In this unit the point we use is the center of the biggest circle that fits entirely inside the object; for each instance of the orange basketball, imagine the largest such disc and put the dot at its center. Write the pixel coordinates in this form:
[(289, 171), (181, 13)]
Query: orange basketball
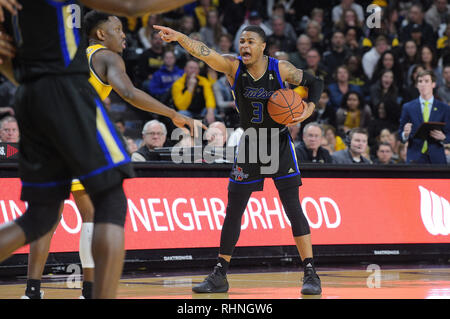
[(284, 105)]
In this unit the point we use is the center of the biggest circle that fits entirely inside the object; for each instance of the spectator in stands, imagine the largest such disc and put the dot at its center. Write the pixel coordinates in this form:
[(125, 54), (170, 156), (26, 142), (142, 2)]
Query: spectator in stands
[(314, 66), (390, 23), (213, 30), (131, 145), (385, 90), (232, 15), (356, 73), (341, 86), (384, 154), (333, 142), (225, 102), (314, 32), (388, 61), (254, 18), (303, 45), (311, 150), (353, 40), (150, 60), (120, 125), (409, 56), (201, 12), (410, 92), (145, 33), (379, 122), (371, 57), (336, 55), (280, 11), (338, 10), (353, 113), (357, 148), (349, 18), (163, 79), (154, 135), (429, 60), (324, 112), (437, 14), (187, 24), (286, 42), (216, 134), (444, 90), (193, 94), (9, 130), (317, 15), (226, 45), (417, 22), (388, 135)]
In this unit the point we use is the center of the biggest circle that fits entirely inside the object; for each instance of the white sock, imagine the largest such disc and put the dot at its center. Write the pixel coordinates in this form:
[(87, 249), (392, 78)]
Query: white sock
[(87, 261)]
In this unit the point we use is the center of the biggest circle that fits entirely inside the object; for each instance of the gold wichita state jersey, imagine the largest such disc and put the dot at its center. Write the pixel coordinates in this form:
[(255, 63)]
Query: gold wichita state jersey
[(103, 89)]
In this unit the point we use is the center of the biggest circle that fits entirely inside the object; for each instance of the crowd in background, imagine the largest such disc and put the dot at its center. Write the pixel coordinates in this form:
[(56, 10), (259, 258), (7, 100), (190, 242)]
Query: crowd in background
[(368, 59)]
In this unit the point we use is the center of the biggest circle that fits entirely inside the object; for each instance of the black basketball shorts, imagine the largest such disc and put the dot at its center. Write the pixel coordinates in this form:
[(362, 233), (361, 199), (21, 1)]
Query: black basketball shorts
[(280, 164), (65, 133)]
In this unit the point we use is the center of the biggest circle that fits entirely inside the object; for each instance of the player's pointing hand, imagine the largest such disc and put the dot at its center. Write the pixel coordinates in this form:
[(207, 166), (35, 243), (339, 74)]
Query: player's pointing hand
[(167, 34)]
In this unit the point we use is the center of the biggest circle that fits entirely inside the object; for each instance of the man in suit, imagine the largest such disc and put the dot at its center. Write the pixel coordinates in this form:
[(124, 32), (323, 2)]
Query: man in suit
[(425, 109)]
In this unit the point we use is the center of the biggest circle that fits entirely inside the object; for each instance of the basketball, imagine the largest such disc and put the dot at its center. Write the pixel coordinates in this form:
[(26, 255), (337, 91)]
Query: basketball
[(284, 105)]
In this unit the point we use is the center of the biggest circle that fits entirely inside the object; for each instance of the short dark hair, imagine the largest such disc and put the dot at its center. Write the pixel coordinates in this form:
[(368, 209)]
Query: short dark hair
[(93, 19), (355, 130), (384, 144), (258, 30)]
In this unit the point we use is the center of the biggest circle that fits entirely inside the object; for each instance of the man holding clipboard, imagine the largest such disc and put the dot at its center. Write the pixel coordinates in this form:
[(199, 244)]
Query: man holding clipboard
[(425, 124)]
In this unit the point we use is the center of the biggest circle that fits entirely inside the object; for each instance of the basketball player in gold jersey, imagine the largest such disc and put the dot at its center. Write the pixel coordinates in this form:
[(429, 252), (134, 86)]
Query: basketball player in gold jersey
[(106, 43)]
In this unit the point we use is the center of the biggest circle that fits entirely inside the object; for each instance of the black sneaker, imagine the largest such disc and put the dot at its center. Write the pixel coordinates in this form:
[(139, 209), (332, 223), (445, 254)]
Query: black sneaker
[(215, 282), (311, 282)]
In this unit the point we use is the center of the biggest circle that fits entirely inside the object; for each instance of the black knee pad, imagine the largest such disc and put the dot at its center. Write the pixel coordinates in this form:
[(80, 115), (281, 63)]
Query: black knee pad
[(110, 206), (291, 202), (38, 220)]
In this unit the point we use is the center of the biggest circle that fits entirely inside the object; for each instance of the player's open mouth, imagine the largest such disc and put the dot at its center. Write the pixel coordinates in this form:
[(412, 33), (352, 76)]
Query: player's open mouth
[(246, 55)]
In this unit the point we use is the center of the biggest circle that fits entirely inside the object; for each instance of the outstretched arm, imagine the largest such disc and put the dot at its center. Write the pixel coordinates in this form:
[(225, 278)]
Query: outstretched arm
[(298, 77), (226, 64), (116, 76)]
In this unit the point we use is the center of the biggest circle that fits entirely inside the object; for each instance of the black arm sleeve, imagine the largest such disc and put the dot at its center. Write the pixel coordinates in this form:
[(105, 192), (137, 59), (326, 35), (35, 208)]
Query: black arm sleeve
[(314, 85)]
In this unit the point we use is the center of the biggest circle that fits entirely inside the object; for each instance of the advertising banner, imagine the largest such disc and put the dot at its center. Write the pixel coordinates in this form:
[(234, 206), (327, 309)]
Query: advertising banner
[(189, 213)]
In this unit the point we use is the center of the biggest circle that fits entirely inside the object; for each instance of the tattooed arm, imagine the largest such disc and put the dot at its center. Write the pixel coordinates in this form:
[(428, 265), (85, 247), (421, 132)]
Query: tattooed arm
[(290, 73), (226, 64), (298, 77)]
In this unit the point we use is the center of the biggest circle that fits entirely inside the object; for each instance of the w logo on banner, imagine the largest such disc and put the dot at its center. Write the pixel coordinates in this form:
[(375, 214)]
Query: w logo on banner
[(435, 212), (11, 151)]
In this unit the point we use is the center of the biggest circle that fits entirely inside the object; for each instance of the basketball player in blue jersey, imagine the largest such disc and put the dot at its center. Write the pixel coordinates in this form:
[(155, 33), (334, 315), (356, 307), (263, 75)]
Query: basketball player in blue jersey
[(65, 130), (254, 77)]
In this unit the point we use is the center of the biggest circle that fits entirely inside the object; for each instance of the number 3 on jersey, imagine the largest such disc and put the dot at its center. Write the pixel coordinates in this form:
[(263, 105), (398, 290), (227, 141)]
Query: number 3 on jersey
[(257, 112)]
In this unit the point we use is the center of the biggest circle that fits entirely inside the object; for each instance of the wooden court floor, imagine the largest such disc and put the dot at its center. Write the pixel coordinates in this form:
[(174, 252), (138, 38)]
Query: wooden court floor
[(368, 283)]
